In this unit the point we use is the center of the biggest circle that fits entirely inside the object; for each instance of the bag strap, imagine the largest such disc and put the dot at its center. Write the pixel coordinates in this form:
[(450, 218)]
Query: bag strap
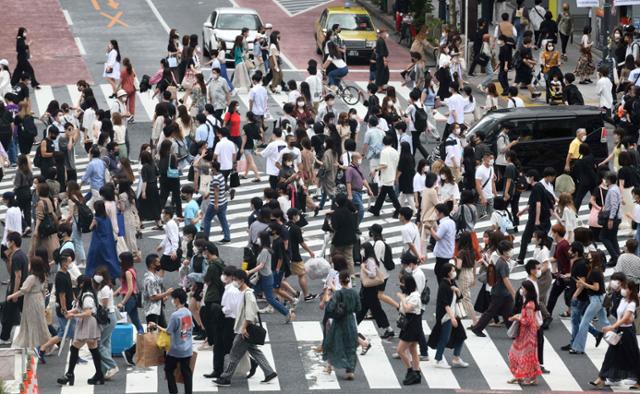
[(489, 178)]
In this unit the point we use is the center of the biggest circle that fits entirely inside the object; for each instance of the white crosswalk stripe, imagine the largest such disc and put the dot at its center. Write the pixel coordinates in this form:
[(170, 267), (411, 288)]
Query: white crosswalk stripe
[(488, 367)]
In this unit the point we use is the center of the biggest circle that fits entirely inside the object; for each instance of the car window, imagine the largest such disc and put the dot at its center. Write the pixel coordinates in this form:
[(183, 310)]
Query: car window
[(237, 22), (323, 20), (351, 21), (485, 125), (521, 129), (554, 128)]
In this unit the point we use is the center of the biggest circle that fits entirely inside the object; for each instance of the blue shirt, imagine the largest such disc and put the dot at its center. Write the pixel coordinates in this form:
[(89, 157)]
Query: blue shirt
[(180, 329), (205, 132), (94, 173), (191, 210)]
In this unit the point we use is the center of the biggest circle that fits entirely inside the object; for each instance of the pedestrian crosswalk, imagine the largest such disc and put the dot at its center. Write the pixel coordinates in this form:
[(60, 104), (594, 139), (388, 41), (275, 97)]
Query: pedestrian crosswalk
[(301, 369)]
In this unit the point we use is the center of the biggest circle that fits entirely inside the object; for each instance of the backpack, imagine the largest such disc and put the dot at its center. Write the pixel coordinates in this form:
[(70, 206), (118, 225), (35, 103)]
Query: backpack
[(420, 119), (85, 217), (29, 126), (48, 224), (387, 261), (144, 83), (101, 315), (505, 222), (516, 60)]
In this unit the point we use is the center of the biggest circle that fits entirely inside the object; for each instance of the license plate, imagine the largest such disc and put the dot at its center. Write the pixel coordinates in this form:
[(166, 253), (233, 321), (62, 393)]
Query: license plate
[(353, 53)]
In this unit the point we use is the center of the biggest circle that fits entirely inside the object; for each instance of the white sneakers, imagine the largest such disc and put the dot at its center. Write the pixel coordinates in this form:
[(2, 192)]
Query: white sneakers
[(460, 363), (442, 364), (111, 373)]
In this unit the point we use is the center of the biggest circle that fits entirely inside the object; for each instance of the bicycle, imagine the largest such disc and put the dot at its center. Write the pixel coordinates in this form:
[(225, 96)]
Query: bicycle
[(349, 94)]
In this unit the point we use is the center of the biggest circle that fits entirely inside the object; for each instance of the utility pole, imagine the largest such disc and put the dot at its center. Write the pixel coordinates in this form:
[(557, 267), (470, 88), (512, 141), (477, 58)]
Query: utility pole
[(606, 21)]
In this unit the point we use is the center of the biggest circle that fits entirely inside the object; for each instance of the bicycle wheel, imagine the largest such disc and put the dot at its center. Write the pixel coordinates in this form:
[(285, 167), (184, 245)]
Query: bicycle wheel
[(350, 95)]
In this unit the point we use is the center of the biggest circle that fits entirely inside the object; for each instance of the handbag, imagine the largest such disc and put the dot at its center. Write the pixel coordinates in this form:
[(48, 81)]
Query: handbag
[(372, 282), (612, 338), (234, 179), (257, 333), (254, 278), (173, 173), (594, 213), (514, 330)]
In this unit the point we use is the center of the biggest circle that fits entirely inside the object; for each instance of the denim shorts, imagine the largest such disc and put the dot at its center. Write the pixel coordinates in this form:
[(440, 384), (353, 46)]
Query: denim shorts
[(62, 323)]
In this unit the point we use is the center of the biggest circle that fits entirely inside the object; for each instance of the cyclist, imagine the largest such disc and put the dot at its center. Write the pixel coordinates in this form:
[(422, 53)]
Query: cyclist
[(340, 71)]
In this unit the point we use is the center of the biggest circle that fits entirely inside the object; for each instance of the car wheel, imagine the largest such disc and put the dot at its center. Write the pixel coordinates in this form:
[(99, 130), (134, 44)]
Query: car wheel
[(205, 48)]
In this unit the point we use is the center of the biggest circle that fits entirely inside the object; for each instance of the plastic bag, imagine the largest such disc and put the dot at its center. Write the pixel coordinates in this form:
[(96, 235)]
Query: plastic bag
[(163, 341), (317, 268)]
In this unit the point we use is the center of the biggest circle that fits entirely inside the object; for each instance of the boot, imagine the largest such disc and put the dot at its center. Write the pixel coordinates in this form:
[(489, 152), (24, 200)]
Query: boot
[(98, 378), (69, 377)]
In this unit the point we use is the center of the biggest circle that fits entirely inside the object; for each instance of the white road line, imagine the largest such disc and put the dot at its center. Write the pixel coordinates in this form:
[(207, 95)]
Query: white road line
[(82, 373), (437, 378), (148, 103), (204, 365), (142, 380), (81, 49), (107, 92), (74, 94), (561, 378), (376, 365), (67, 17), (490, 362), (158, 16), (44, 96), (311, 333)]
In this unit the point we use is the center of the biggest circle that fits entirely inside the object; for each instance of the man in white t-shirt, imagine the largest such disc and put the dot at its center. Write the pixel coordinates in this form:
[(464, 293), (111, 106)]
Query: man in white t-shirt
[(456, 104), (315, 84), (513, 101), (271, 153), (453, 150), (486, 182), (225, 153), (387, 167), (410, 235), (293, 150)]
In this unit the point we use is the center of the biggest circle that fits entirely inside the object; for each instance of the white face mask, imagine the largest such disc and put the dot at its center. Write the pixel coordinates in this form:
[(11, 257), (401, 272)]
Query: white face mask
[(583, 138), (443, 177), (615, 284), (624, 292), (300, 103), (456, 131), (98, 279), (223, 278), (491, 162), (357, 162), (538, 273), (453, 275), (353, 116), (215, 77), (521, 291), (289, 163), (235, 284)]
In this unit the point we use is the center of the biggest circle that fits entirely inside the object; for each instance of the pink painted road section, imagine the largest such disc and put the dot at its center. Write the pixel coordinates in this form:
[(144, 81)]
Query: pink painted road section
[(297, 34), (54, 54)]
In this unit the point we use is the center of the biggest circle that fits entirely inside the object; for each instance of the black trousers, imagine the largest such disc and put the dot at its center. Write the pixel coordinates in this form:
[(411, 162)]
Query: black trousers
[(581, 192), (210, 313), (384, 192), (25, 206), (558, 287), (23, 66), (10, 318), (222, 342), (609, 239), (440, 261), (171, 185), (503, 78), (513, 203), (564, 40), (540, 346), (529, 228), (417, 146), (498, 306), (369, 300), (273, 182), (170, 364)]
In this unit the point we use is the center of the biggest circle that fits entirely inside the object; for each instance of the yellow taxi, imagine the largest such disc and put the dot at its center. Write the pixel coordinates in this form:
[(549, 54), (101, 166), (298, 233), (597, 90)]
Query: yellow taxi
[(357, 31)]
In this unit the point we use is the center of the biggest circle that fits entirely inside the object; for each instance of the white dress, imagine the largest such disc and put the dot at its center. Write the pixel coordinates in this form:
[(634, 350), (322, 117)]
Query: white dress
[(112, 63)]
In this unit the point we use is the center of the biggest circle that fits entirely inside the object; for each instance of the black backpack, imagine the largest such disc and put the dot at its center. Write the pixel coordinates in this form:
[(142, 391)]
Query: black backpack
[(442, 148), (48, 224), (425, 296), (85, 217), (420, 119), (388, 262)]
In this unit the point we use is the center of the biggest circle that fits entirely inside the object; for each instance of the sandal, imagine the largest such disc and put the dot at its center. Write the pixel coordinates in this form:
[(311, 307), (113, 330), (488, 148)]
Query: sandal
[(365, 349), (529, 383), (565, 314), (257, 180), (513, 381), (597, 385)]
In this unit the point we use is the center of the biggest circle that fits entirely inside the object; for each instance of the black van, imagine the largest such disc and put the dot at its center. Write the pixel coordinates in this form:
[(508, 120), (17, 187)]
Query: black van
[(545, 132)]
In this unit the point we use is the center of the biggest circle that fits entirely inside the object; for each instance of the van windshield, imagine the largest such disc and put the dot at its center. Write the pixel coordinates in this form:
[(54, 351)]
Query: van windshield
[(486, 124)]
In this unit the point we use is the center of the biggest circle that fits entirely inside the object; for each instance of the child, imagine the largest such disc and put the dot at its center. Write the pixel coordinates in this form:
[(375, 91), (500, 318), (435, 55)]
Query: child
[(501, 219), (119, 132), (567, 214), (555, 91)]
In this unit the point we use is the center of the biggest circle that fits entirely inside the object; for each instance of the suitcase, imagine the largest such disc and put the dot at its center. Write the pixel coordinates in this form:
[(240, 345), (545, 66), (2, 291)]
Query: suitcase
[(122, 338)]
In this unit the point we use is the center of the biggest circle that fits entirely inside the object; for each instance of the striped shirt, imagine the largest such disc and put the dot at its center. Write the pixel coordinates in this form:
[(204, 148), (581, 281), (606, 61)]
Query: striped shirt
[(218, 183)]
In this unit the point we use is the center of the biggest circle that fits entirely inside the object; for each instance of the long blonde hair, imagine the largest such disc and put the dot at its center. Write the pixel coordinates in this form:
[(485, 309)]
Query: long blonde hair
[(565, 201)]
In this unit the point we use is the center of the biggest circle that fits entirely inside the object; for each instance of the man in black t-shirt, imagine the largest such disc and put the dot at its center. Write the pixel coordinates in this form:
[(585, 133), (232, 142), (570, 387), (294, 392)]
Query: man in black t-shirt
[(18, 271), (296, 240), (538, 208), (64, 300)]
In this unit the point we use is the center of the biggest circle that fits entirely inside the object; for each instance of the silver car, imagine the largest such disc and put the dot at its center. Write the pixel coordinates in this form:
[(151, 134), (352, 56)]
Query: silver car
[(225, 24)]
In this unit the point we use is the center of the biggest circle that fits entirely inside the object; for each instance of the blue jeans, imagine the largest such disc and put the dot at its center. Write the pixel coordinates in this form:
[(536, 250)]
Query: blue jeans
[(131, 308), (487, 80), (265, 284), (323, 199), (221, 213), (357, 201), (577, 310), (593, 309), (12, 151), (637, 238), (78, 246), (445, 333), (334, 76), (105, 344)]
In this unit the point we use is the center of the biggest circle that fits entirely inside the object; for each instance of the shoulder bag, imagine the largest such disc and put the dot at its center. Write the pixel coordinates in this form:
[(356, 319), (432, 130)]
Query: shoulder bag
[(372, 282), (257, 334)]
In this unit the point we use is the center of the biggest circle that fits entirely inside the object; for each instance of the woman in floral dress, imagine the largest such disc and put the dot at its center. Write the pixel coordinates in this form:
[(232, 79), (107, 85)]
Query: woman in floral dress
[(523, 355), (585, 68)]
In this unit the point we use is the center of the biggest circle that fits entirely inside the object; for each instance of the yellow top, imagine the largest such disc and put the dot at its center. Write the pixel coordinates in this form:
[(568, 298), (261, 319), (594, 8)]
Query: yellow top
[(574, 149)]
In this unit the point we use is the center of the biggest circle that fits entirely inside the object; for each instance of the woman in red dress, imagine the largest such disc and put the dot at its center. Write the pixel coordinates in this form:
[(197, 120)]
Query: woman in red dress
[(523, 355)]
